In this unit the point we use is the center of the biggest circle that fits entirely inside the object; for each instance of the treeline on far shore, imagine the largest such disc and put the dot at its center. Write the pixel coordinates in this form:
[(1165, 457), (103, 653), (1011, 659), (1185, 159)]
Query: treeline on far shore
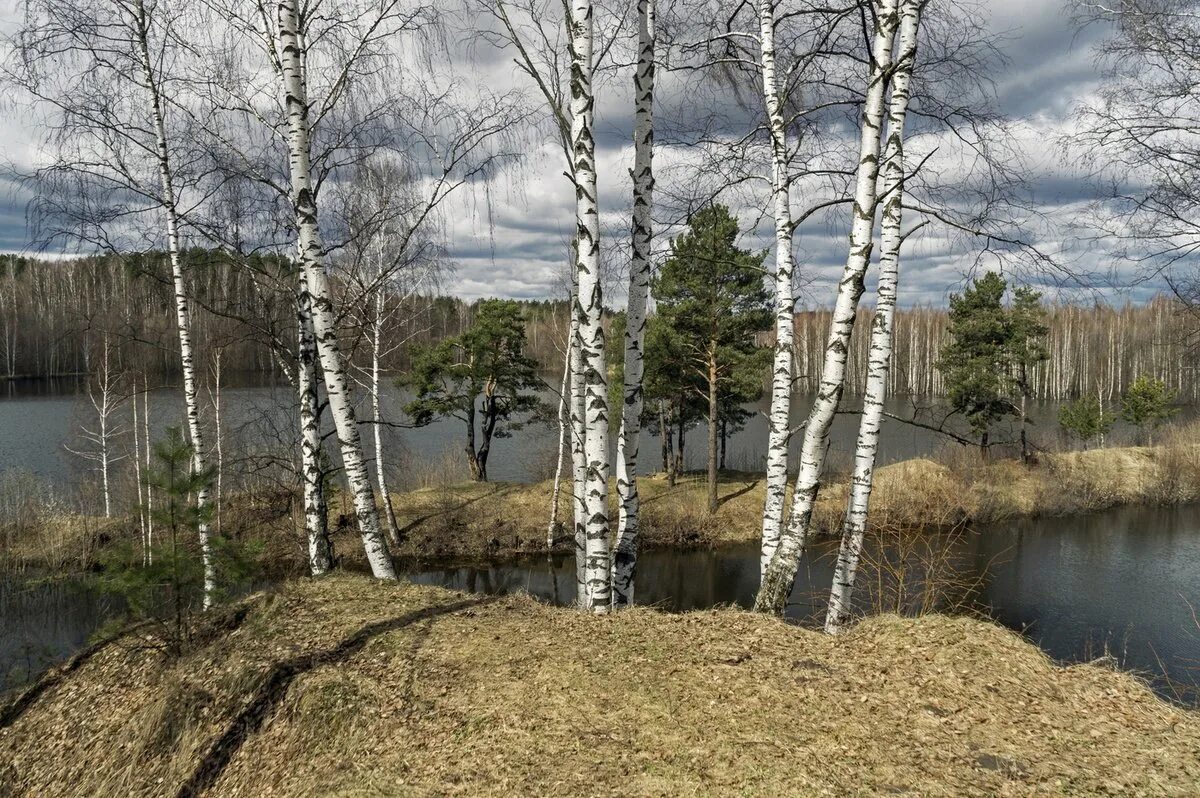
[(55, 313)]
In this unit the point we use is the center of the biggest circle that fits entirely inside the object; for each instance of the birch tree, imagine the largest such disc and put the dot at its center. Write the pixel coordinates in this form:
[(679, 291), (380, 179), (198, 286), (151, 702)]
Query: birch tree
[(625, 551), (589, 306), (781, 571), (882, 334), (333, 367), (103, 68)]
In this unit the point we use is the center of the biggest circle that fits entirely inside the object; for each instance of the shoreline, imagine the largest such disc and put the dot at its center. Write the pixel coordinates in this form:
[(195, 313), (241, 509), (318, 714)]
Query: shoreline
[(486, 522)]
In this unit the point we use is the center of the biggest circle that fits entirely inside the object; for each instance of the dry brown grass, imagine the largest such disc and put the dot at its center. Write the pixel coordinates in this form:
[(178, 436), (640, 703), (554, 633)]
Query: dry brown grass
[(348, 687), (472, 521)]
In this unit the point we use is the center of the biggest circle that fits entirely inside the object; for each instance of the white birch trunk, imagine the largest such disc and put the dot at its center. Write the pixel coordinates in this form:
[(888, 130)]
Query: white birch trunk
[(315, 520), (183, 320), (879, 360), (781, 571), (564, 431), (589, 306), (780, 417), (578, 458), (337, 387), (393, 527), (149, 489), (625, 553), (137, 475)]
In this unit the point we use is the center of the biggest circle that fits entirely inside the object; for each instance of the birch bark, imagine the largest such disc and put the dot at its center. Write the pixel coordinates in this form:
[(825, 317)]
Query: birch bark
[(625, 554), (578, 458), (183, 318), (780, 573), (315, 519), (589, 306), (779, 417), (393, 528), (882, 336), (337, 387), (564, 431)]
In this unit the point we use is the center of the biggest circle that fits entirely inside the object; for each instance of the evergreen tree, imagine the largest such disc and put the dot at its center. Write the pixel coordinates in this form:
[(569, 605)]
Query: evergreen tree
[(1027, 347), (991, 352), (486, 364), (1147, 404), (711, 294), (1085, 419)]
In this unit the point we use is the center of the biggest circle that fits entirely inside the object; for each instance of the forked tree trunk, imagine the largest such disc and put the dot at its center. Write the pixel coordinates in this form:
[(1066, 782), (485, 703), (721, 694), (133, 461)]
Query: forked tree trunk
[(316, 522), (779, 417), (337, 388), (589, 307), (625, 553), (183, 318), (781, 571), (882, 335)]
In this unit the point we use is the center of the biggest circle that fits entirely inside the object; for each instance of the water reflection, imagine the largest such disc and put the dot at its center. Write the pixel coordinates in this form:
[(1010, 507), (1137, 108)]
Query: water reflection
[(1116, 583)]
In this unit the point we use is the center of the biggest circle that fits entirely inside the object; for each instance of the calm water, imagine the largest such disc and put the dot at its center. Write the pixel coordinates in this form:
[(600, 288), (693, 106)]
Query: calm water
[(1117, 582), (40, 420)]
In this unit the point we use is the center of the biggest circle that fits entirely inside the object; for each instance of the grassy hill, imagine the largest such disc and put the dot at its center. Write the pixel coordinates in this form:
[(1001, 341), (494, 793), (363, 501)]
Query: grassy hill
[(347, 687)]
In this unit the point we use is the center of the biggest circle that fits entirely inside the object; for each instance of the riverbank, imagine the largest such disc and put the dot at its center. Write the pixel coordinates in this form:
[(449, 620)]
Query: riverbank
[(487, 521), (482, 521), (345, 686)]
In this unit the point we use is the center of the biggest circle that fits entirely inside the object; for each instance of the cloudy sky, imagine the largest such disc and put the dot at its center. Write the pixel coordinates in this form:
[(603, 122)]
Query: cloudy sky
[(511, 239)]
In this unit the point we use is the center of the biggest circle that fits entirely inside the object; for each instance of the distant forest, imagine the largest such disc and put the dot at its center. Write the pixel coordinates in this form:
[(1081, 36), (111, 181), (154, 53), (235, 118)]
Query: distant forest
[(56, 314)]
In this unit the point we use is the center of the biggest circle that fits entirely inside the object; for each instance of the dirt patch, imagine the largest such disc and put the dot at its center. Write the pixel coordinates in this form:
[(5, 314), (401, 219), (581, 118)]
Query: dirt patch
[(348, 687)]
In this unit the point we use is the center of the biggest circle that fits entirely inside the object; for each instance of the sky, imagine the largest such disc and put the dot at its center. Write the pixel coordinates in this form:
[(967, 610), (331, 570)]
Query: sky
[(509, 238)]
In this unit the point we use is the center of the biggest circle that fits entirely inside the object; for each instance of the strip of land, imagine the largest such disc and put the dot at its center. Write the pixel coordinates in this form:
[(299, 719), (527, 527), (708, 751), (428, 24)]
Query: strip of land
[(484, 521)]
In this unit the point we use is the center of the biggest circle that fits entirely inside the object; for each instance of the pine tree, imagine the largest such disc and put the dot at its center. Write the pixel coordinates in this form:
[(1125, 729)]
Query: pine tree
[(712, 295), (1147, 404)]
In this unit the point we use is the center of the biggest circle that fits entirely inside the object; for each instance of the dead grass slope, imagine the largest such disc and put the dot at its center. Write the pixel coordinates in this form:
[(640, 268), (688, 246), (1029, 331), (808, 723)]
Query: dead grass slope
[(346, 687)]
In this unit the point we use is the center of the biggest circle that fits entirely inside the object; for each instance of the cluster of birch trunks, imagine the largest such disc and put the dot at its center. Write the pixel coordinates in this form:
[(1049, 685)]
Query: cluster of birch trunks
[(606, 558)]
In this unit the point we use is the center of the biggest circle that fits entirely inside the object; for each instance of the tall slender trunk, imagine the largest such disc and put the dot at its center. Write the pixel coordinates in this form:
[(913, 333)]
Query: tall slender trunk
[(217, 439), (882, 335), (183, 318), (589, 307), (149, 489), (316, 522), (137, 475), (578, 457), (712, 428), (393, 528), (779, 416), (564, 431), (337, 387), (625, 552), (781, 571)]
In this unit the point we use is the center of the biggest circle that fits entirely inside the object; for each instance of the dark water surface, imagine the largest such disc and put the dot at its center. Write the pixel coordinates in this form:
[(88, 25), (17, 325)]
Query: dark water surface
[(1115, 583), (41, 419)]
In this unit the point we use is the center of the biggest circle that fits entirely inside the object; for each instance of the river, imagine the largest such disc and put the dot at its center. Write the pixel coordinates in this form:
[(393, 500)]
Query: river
[(1120, 583)]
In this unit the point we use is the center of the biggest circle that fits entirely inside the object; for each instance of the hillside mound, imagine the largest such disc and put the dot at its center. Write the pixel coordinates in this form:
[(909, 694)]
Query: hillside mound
[(349, 687)]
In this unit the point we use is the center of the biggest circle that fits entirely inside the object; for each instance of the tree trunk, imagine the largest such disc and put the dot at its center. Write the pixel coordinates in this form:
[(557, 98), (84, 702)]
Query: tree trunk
[(724, 439), (337, 388), (779, 417), (882, 335), (712, 428), (664, 434), (578, 456), (316, 522), (590, 306), (183, 318), (490, 417), (625, 552), (564, 426), (393, 528), (781, 572)]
